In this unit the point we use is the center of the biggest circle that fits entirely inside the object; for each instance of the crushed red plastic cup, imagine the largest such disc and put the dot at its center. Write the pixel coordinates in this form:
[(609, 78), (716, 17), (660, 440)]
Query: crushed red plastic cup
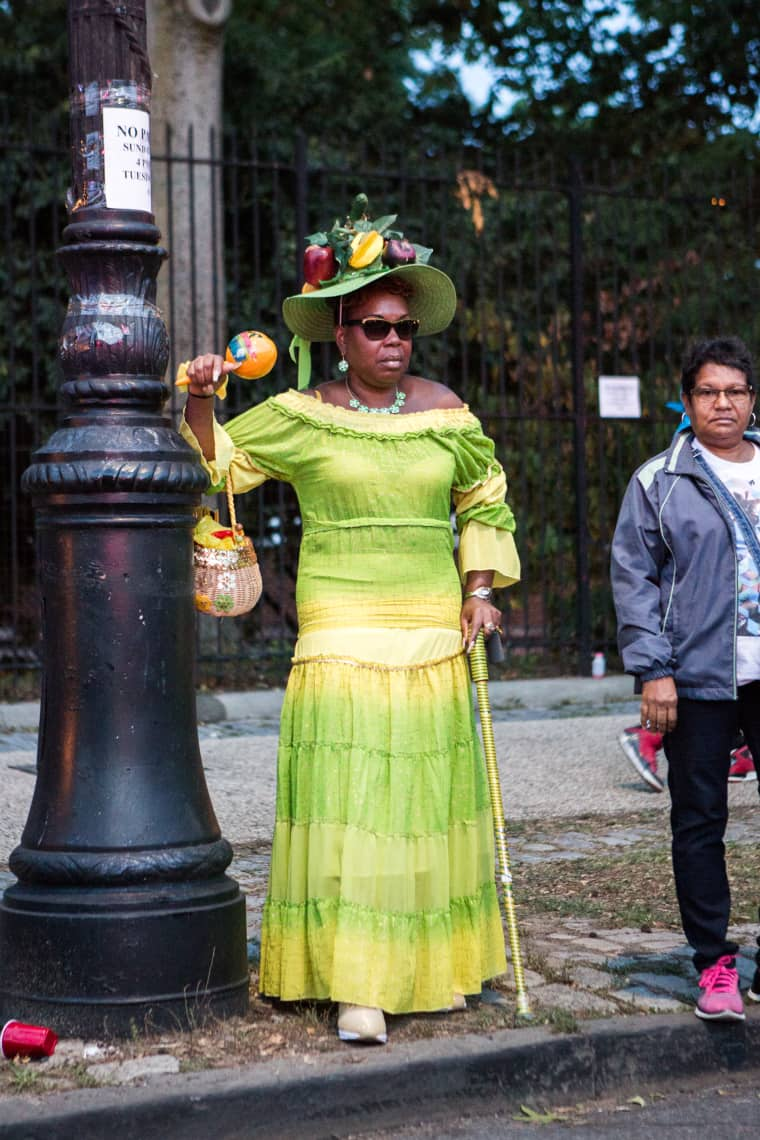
[(20, 1040)]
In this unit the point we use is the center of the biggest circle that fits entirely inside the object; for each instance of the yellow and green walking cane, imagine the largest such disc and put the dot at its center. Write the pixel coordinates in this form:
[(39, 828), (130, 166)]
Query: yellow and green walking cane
[(479, 673)]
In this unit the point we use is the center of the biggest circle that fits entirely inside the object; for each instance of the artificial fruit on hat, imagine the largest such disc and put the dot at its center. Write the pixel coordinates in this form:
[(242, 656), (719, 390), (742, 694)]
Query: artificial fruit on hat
[(359, 208), (399, 251), (358, 242), (355, 243), (319, 263), (365, 248)]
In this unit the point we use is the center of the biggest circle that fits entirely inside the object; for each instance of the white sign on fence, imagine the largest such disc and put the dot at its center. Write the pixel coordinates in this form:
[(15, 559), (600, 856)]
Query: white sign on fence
[(126, 157), (619, 397)]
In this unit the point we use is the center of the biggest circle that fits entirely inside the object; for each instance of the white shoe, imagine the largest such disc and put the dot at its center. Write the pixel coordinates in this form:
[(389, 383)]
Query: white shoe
[(458, 1003), (361, 1023)]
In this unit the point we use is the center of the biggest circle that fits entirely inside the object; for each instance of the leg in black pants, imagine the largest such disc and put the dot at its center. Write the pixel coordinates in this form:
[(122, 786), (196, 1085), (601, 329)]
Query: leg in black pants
[(749, 720), (698, 762)]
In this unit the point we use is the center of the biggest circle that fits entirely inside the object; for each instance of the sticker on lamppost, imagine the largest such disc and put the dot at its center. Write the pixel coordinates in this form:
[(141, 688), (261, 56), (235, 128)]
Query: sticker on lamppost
[(619, 397), (126, 152)]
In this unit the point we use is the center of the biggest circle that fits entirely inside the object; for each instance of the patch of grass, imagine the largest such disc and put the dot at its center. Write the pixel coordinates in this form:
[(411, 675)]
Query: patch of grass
[(24, 1077), (536, 961), (608, 889), (80, 1076), (549, 903), (559, 1020), (316, 1015), (629, 886)]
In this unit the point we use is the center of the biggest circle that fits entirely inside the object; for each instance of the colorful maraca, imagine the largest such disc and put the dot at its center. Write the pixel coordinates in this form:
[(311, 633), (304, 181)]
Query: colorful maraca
[(253, 353)]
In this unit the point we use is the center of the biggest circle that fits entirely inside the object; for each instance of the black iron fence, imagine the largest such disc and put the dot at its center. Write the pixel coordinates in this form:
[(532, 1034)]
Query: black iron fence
[(562, 276)]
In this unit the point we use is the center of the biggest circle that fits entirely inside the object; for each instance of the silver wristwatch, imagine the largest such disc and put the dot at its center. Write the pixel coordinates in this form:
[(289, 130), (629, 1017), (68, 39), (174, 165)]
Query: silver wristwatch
[(485, 593)]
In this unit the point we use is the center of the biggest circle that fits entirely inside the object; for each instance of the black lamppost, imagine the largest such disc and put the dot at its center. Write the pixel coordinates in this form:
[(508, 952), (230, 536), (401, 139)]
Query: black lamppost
[(122, 911)]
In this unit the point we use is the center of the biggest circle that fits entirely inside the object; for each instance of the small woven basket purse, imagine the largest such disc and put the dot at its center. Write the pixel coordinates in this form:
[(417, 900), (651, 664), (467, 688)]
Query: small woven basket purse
[(227, 574)]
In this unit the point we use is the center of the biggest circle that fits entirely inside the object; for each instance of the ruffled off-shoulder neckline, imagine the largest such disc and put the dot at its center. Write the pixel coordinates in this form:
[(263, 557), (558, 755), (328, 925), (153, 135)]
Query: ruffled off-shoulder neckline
[(300, 406)]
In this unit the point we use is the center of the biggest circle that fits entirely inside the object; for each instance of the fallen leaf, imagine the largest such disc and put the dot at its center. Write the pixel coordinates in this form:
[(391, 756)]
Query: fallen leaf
[(533, 1117)]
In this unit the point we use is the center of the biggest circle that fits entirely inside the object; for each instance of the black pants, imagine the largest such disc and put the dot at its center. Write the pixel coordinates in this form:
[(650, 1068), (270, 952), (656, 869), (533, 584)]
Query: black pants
[(698, 762)]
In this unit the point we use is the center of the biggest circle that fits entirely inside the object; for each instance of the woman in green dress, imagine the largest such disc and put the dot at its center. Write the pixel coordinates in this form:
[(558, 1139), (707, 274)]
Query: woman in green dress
[(381, 893)]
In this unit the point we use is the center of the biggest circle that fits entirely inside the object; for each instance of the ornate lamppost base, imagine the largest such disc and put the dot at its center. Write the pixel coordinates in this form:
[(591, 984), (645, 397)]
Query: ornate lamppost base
[(123, 917), (119, 960)]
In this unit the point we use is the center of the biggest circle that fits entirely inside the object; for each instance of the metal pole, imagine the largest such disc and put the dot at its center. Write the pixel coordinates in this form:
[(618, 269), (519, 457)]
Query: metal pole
[(479, 672), (575, 196), (122, 913)]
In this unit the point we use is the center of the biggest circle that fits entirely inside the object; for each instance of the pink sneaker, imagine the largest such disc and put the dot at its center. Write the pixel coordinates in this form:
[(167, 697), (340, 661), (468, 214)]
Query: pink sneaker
[(721, 1000), (641, 748), (742, 768)]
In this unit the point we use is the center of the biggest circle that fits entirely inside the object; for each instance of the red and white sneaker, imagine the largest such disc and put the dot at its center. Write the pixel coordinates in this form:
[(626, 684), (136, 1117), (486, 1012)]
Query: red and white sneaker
[(641, 748), (721, 1000), (742, 769)]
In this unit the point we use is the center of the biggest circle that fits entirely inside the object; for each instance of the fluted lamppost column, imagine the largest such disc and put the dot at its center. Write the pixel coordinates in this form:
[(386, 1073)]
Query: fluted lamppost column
[(122, 912)]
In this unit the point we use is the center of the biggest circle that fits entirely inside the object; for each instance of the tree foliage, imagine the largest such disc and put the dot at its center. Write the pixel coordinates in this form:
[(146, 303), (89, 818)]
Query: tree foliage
[(643, 78), (646, 77), (33, 65), (337, 70)]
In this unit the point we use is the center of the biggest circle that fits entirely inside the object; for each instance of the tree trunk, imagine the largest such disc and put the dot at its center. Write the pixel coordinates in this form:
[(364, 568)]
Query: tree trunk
[(185, 48)]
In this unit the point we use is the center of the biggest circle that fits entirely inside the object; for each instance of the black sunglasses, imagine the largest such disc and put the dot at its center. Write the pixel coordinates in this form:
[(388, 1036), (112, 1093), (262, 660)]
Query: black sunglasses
[(376, 328)]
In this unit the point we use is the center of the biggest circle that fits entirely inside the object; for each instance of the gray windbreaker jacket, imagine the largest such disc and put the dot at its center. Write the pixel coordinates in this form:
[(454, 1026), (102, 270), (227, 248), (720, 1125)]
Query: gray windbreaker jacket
[(674, 573)]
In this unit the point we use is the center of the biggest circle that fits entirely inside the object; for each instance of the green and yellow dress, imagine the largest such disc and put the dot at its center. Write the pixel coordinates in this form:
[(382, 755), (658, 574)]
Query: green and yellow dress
[(382, 887)]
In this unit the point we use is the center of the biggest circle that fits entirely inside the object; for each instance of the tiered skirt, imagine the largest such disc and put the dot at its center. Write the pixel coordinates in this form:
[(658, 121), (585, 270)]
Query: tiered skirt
[(382, 885)]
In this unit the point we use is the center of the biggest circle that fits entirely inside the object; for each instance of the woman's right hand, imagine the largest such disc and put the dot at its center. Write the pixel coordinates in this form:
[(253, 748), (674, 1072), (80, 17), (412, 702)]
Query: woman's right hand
[(659, 705), (206, 373)]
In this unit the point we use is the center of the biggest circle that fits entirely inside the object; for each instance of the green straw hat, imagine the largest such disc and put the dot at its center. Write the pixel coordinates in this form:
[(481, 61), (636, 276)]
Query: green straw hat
[(362, 252)]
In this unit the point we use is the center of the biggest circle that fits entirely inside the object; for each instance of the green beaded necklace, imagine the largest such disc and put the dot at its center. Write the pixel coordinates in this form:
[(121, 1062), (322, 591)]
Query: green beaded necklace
[(391, 410)]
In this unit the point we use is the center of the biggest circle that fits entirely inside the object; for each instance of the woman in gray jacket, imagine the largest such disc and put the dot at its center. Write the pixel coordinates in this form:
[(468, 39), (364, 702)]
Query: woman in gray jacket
[(686, 583)]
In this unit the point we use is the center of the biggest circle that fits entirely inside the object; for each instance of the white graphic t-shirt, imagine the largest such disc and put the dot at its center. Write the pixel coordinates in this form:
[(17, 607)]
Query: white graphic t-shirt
[(743, 481)]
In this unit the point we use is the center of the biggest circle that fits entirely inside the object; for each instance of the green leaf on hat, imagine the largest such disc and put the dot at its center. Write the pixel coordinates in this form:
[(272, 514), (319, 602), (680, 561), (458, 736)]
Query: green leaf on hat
[(423, 253), (319, 238), (382, 224)]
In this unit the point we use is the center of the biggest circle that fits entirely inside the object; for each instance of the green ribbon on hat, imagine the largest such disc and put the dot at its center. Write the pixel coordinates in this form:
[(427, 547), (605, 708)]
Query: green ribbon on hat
[(300, 353)]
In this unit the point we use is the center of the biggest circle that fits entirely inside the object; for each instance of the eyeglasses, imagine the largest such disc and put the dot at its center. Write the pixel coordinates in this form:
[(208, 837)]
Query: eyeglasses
[(710, 395), (377, 328)]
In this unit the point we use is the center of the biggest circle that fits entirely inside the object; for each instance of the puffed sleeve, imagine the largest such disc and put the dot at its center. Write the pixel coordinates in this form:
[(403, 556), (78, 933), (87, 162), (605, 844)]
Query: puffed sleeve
[(485, 522), (255, 446)]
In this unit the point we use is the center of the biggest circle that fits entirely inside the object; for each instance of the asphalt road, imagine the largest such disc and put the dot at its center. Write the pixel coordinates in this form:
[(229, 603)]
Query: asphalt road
[(721, 1108)]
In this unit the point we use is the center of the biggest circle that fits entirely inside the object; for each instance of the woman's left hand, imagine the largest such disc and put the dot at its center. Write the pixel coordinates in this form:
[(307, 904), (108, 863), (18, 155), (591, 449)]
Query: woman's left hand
[(475, 615)]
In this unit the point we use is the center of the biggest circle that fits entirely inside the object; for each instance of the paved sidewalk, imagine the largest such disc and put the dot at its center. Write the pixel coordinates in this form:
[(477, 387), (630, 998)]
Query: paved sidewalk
[(561, 766)]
